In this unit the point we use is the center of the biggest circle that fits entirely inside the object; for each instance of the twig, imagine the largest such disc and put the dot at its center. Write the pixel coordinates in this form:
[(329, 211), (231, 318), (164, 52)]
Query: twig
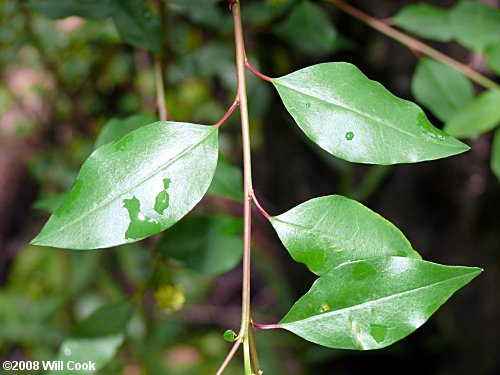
[(160, 90), (414, 44), (230, 356)]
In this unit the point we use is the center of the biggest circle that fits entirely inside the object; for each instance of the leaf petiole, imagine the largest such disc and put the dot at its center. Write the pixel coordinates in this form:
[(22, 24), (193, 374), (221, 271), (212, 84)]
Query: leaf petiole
[(256, 72), (231, 109)]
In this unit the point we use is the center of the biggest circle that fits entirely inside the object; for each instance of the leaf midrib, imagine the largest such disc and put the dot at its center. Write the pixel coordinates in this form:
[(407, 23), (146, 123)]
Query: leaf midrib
[(371, 302), (375, 119), (128, 190), (328, 235)]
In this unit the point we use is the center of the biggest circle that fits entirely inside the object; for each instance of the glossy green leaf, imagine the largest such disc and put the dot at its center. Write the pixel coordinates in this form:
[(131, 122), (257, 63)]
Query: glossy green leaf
[(493, 58), (92, 9), (440, 88), (207, 244), (135, 187), (97, 338), (137, 25), (373, 303), (426, 21), (309, 29), (227, 182), (327, 231), (117, 128), (475, 24), (479, 116), (495, 154), (358, 120)]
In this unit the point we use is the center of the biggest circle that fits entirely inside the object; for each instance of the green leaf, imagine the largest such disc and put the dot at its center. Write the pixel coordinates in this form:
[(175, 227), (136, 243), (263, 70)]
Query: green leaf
[(92, 9), (207, 244), (309, 29), (203, 12), (475, 24), (135, 187), (495, 154), (137, 25), (441, 88), (493, 58), (358, 120), (426, 21), (227, 182), (97, 338), (373, 303), (117, 128), (479, 116), (327, 231)]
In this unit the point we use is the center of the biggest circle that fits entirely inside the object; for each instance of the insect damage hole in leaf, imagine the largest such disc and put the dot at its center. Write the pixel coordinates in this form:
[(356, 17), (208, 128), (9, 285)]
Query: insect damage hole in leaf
[(134, 187)]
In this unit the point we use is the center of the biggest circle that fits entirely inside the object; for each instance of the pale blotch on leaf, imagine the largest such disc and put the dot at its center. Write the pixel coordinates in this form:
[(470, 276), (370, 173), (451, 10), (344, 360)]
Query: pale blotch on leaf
[(324, 307), (140, 225)]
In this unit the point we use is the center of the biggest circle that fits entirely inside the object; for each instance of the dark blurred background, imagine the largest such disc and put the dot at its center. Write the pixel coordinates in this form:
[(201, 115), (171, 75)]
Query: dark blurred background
[(63, 79)]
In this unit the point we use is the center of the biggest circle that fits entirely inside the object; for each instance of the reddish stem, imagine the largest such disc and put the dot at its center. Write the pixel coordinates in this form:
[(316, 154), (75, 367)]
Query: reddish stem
[(257, 73), (231, 354), (228, 113), (265, 326), (259, 207)]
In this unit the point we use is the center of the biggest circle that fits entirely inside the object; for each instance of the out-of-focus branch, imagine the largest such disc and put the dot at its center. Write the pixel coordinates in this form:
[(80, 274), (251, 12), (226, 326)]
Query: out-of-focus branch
[(414, 44)]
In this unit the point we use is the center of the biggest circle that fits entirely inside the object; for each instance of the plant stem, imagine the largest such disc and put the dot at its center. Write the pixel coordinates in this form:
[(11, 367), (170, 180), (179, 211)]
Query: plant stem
[(247, 172), (414, 44), (230, 356), (160, 61), (160, 90)]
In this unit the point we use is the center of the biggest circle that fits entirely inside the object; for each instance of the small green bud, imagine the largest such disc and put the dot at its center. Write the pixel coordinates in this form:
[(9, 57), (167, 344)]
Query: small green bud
[(229, 335)]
